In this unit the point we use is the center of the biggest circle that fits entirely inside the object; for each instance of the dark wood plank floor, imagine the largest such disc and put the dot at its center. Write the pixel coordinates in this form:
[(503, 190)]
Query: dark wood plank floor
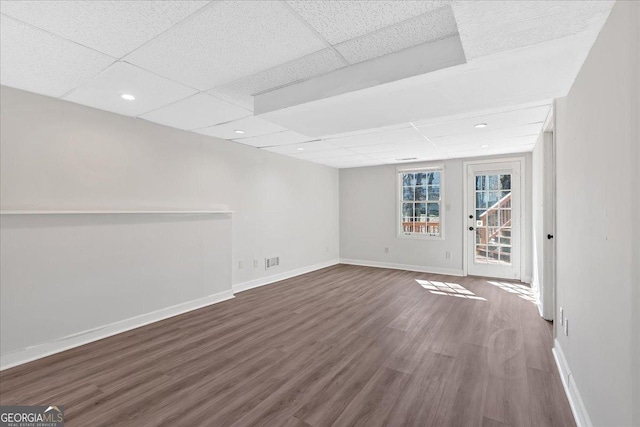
[(341, 346)]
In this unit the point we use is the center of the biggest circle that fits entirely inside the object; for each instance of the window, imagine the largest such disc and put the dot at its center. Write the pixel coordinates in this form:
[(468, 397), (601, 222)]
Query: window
[(420, 202)]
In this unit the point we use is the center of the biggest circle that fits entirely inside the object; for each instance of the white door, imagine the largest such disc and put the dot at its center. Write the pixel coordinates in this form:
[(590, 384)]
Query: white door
[(493, 219), (547, 294)]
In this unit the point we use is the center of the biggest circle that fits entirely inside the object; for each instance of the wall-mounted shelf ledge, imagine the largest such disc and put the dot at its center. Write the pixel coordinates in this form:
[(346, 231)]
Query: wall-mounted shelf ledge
[(43, 212)]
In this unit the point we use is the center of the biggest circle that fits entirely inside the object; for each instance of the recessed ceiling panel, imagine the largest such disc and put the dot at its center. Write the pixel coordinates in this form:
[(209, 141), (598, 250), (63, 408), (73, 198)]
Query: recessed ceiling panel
[(248, 127), (111, 27), (273, 139), (226, 41), (425, 28), (338, 21), (240, 92), (37, 61), (488, 27), (150, 91), (196, 112)]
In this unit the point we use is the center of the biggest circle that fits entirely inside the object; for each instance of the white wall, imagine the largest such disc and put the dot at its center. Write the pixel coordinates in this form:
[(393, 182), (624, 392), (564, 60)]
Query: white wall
[(60, 155), (368, 220), (597, 225)]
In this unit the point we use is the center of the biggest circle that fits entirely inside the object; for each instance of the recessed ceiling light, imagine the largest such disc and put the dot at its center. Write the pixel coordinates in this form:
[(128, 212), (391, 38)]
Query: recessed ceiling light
[(481, 125), (300, 149), (127, 96), (238, 131), (484, 145)]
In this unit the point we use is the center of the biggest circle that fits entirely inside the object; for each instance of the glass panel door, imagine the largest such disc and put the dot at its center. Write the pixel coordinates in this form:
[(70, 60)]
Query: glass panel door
[(493, 218), (493, 202)]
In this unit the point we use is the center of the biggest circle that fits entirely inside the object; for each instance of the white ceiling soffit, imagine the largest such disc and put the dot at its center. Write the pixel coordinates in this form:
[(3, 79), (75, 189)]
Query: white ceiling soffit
[(241, 91), (540, 72), (414, 61)]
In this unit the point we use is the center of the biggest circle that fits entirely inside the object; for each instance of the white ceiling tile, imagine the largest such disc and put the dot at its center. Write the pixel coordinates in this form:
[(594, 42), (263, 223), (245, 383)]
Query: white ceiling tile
[(479, 137), (428, 27), (273, 139), (241, 91), (226, 41), (422, 145), (323, 154), (490, 151), (372, 138), (492, 26), (112, 27), (494, 121), (252, 126), (352, 162), (307, 147), (502, 143), (426, 154), (37, 61), (195, 112), (151, 91), (338, 21)]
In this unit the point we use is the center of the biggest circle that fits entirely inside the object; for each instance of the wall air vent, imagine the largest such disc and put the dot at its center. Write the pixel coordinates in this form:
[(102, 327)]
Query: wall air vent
[(271, 262), (407, 159)]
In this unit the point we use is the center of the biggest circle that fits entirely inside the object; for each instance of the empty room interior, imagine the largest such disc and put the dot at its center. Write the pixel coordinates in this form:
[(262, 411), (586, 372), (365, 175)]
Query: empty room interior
[(320, 213)]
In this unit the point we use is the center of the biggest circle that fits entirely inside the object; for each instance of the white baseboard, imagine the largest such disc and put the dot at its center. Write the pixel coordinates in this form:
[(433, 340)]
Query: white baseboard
[(408, 267), (570, 388), (39, 351), (245, 286)]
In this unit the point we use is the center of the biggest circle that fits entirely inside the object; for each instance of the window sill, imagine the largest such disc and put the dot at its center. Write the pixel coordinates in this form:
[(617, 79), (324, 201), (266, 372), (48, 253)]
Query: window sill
[(419, 237)]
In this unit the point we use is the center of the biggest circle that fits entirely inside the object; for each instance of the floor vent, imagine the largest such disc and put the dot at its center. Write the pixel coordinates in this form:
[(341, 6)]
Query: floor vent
[(271, 262)]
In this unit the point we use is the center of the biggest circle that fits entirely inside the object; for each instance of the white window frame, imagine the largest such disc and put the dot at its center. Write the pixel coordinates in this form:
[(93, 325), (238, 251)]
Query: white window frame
[(419, 168)]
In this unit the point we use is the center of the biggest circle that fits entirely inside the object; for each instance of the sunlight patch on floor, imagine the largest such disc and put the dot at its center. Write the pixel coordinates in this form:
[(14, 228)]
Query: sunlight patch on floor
[(449, 289), (524, 292)]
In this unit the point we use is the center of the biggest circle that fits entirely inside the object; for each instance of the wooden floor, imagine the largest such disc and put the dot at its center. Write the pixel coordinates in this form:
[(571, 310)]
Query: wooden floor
[(342, 346)]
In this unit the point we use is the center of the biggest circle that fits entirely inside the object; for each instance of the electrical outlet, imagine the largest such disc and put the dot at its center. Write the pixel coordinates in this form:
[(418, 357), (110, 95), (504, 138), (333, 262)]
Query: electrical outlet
[(240, 265), (561, 316), (327, 249), (566, 327), (447, 255), (386, 250), (255, 263)]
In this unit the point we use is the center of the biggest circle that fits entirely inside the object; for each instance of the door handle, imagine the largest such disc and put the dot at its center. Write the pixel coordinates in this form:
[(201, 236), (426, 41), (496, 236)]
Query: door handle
[(549, 236), (470, 228)]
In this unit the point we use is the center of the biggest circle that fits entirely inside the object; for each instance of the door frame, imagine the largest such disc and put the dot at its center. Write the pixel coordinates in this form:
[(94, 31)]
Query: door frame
[(522, 213)]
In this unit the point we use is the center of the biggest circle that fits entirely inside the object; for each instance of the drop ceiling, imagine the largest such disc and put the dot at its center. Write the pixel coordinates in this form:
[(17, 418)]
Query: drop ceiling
[(201, 65)]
